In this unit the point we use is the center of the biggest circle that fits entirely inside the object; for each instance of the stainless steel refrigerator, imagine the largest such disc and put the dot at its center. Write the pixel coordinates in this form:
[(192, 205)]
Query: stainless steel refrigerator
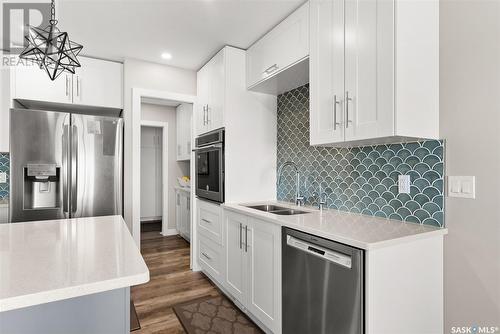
[(64, 165)]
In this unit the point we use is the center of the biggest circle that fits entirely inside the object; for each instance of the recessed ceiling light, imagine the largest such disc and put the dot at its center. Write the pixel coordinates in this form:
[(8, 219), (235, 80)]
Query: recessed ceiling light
[(166, 55)]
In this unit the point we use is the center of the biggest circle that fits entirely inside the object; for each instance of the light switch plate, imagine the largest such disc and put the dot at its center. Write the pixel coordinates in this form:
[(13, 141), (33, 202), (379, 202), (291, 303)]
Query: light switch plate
[(462, 186), (3, 177), (404, 184)]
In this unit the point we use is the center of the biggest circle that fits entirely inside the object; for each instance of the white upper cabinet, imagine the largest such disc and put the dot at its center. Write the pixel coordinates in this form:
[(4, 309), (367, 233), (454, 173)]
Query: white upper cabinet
[(29, 82), (211, 93), (184, 114), (326, 71), (281, 48), (97, 83), (374, 71)]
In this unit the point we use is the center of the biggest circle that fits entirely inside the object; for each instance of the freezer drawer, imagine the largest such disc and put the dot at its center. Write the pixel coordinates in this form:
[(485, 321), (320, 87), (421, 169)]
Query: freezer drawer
[(323, 285)]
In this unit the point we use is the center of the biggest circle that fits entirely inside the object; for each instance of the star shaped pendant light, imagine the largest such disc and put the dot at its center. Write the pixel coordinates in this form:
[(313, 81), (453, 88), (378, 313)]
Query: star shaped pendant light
[(51, 49)]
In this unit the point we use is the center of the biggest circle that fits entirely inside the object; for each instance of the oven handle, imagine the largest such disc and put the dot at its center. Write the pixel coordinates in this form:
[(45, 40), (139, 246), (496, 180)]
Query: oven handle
[(207, 147)]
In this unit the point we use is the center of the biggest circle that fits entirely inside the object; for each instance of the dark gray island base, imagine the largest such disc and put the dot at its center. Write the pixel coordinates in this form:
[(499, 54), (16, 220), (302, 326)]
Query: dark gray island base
[(100, 313)]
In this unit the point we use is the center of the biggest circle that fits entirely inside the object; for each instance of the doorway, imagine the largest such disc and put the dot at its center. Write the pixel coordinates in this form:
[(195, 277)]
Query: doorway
[(154, 177)]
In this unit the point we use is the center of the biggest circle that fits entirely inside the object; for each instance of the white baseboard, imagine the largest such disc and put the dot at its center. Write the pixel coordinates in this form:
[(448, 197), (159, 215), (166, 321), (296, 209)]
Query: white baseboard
[(150, 219), (170, 231)]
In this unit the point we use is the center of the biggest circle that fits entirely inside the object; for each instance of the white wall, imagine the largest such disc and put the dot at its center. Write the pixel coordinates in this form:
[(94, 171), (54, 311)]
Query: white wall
[(470, 123), (175, 169), (151, 173), (145, 75)]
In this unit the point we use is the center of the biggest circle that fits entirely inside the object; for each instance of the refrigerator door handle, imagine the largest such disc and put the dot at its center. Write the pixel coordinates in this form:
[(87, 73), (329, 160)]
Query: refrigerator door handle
[(74, 168), (65, 164)]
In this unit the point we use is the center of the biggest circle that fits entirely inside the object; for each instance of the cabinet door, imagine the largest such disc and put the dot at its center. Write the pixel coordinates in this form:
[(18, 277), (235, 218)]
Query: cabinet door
[(369, 69), (264, 265), (235, 279), (187, 118), (187, 214), (98, 83), (178, 212), (326, 71), (184, 214), (32, 83), (183, 121), (179, 120), (283, 46), (202, 100), (217, 80)]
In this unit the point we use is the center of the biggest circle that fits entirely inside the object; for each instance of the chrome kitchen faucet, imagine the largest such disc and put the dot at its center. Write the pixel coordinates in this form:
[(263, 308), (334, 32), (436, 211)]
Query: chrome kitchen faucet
[(299, 200)]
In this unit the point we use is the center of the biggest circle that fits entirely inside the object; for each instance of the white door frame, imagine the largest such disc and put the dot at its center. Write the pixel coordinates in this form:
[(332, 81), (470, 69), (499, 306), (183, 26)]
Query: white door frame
[(137, 95), (164, 176)]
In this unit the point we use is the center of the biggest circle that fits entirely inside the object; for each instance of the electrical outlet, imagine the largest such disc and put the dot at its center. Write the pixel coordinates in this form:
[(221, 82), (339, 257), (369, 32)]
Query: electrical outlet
[(3, 177), (404, 184)]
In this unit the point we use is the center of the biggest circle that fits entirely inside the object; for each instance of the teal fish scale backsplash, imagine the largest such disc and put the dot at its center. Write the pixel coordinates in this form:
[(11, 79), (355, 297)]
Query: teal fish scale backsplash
[(360, 179), (4, 168)]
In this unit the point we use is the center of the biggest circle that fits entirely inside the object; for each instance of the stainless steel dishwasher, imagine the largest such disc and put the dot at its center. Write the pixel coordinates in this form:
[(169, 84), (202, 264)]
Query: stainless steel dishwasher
[(323, 285)]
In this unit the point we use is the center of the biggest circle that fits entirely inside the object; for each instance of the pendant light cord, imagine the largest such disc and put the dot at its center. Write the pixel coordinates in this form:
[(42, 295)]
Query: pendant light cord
[(53, 12)]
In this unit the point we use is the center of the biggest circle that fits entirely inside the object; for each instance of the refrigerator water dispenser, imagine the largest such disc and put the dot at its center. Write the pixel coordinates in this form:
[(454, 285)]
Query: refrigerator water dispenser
[(41, 186)]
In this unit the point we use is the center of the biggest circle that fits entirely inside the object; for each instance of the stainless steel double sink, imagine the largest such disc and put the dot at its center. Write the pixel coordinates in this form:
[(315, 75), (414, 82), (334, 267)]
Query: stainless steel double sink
[(277, 210)]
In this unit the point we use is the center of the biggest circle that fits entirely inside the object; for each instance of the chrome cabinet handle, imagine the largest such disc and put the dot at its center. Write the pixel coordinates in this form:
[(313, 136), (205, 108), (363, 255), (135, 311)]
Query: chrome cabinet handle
[(206, 221), (271, 69), (205, 255), (335, 102), (208, 113), (204, 115), (246, 238), (241, 239), (347, 99)]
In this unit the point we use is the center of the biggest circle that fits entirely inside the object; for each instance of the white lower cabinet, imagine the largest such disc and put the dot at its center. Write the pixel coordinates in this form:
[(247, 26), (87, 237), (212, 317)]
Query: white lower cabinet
[(253, 267), (209, 221), (211, 257), (183, 213)]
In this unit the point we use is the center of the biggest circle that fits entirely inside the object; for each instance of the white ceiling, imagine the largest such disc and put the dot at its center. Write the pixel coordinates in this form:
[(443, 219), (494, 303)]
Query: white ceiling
[(191, 30)]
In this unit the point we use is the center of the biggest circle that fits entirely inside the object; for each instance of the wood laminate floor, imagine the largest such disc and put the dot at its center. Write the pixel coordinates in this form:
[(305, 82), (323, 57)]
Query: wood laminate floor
[(171, 282)]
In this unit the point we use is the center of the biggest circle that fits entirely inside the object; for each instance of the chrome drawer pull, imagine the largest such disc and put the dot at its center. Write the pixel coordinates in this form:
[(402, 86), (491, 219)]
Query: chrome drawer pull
[(206, 221), (271, 69), (205, 255)]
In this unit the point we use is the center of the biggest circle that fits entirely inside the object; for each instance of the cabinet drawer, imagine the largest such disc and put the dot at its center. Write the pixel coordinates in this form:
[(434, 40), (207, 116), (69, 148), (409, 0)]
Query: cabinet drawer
[(210, 257), (209, 221)]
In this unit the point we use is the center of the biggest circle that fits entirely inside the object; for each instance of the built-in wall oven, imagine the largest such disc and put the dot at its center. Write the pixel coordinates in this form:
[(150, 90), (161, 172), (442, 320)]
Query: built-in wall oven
[(210, 166)]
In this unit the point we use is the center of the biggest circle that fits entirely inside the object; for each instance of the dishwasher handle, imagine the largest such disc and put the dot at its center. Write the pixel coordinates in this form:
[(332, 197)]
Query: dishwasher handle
[(327, 254)]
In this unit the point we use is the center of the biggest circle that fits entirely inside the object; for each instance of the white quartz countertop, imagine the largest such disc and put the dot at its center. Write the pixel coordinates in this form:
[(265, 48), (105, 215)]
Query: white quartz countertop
[(357, 230), (52, 260)]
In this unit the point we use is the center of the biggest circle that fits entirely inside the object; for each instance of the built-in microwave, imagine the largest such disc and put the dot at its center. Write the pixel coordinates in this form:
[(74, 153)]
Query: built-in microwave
[(210, 165)]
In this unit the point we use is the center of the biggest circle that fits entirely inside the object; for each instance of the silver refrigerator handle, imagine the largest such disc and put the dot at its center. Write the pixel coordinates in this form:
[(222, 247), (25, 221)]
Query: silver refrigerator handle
[(64, 169), (327, 254), (74, 168)]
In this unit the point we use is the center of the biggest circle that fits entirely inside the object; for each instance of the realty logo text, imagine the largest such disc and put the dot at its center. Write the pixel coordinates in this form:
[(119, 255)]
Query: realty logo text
[(16, 19)]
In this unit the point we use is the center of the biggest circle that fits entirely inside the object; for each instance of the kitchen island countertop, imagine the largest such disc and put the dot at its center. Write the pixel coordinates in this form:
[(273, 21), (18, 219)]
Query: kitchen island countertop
[(52, 260)]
